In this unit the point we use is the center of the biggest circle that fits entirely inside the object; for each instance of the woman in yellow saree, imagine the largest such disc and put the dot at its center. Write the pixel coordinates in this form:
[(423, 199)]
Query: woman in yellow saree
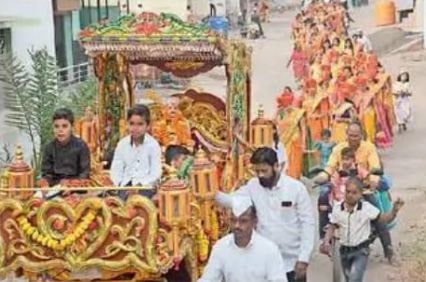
[(316, 68), (323, 97), (367, 114), (289, 120), (343, 114)]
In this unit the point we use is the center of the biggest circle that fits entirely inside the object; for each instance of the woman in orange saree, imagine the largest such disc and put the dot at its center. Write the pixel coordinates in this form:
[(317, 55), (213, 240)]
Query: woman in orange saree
[(328, 53), (360, 61), (289, 120), (337, 45), (371, 66), (367, 113), (349, 47), (311, 106), (316, 68), (323, 96)]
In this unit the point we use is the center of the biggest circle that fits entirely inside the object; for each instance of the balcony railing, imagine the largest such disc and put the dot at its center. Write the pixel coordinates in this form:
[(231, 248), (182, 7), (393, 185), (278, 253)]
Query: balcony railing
[(73, 75)]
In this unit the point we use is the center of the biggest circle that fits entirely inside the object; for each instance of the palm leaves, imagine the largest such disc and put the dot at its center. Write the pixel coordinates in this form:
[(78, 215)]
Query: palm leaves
[(31, 97), (79, 98), (5, 157)]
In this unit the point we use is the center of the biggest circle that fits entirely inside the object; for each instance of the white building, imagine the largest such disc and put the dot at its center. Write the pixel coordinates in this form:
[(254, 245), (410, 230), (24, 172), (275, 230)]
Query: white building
[(27, 24)]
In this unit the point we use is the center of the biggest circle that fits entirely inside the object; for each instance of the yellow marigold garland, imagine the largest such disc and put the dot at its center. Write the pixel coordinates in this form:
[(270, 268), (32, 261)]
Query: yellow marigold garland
[(58, 245)]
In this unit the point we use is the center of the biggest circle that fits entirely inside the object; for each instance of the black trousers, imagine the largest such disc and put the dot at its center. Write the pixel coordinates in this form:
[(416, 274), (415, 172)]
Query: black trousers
[(122, 194), (291, 277), (212, 10)]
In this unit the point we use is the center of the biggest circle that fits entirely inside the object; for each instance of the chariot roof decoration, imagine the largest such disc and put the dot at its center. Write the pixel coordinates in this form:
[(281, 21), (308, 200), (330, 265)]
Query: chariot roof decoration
[(149, 37)]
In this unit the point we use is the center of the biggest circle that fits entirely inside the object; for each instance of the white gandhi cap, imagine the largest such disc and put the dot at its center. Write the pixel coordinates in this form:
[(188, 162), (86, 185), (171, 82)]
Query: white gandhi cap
[(240, 204)]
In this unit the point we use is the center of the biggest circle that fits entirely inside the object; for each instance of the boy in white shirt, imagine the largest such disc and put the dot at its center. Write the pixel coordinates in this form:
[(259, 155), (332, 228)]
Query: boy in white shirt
[(137, 158), (352, 219)]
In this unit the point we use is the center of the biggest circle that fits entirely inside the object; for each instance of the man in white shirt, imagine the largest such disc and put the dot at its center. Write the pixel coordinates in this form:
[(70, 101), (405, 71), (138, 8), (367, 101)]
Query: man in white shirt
[(279, 148), (364, 41), (244, 255), (137, 158), (284, 208)]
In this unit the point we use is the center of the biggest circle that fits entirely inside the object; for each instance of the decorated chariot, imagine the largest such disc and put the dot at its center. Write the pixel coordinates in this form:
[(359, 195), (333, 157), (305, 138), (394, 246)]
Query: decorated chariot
[(101, 237)]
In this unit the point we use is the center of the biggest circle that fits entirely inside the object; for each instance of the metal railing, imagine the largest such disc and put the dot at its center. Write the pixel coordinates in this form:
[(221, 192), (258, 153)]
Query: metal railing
[(73, 75)]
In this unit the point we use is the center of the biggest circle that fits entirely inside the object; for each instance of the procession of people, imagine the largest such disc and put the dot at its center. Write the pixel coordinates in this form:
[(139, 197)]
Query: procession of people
[(343, 111), (340, 81)]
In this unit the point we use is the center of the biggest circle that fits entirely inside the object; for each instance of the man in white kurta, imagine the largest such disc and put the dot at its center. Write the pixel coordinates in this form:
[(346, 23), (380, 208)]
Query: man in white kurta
[(284, 209), (244, 255)]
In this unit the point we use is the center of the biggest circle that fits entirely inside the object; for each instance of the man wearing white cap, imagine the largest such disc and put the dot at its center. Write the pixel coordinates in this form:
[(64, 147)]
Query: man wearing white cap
[(284, 211), (364, 41), (244, 255)]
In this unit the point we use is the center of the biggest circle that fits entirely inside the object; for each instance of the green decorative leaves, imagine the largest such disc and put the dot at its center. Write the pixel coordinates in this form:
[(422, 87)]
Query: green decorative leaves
[(31, 97)]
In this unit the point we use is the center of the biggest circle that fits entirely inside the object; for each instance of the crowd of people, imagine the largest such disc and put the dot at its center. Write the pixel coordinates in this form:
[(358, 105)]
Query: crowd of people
[(341, 80), (273, 225), (345, 112)]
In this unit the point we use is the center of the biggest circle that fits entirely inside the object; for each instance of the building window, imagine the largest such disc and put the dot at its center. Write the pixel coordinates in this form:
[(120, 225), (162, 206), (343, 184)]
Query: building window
[(5, 40), (93, 11)]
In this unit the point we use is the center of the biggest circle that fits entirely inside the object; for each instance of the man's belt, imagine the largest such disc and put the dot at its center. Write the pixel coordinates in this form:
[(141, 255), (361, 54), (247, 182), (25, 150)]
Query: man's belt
[(351, 249)]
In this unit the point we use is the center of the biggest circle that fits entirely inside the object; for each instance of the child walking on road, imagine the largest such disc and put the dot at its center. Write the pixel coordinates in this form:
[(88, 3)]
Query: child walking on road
[(352, 219), (402, 93)]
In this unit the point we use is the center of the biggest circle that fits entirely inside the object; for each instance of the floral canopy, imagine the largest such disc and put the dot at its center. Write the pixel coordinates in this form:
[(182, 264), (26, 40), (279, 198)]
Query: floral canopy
[(162, 40), (172, 45)]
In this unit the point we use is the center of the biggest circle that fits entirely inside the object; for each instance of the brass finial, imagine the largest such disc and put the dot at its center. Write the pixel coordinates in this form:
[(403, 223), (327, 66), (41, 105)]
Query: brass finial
[(172, 181), (201, 159), (18, 163), (171, 171), (201, 154), (19, 153), (260, 111)]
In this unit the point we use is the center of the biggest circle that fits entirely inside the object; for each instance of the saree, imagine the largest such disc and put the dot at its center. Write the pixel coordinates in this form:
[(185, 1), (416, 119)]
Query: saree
[(288, 121), (368, 120), (339, 127), (300, 67), (316, 114)]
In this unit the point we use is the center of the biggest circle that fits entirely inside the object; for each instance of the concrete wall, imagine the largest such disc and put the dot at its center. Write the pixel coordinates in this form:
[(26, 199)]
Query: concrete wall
[(31, 22)]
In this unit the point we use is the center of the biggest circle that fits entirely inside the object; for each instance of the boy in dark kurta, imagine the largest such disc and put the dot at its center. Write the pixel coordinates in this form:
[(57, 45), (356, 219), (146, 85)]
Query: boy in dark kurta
[(66, 157)]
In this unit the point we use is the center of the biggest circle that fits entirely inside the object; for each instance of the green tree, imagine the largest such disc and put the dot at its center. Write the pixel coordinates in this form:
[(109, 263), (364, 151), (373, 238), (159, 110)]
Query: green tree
[(31, 97), (80, 97), (5, 157)]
